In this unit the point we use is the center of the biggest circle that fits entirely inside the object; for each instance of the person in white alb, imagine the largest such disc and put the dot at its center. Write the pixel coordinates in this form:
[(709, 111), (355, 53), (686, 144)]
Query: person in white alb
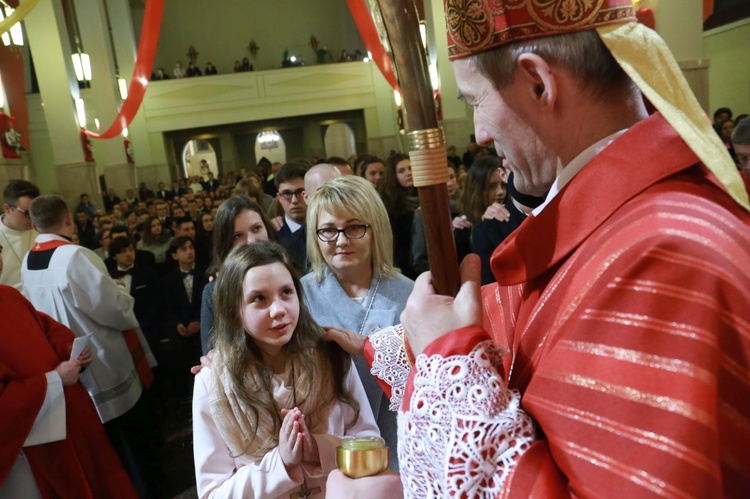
[(71, 284), (16, 233)]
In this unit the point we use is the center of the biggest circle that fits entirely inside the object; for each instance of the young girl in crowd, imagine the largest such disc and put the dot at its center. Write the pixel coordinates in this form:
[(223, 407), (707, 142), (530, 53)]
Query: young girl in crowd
[(400, 199), (269, 413), (239, 220)]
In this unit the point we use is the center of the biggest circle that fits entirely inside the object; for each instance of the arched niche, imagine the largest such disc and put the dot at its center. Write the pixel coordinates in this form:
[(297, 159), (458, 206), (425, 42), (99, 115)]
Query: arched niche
[(270, 144), (199, 158), (339, 141)]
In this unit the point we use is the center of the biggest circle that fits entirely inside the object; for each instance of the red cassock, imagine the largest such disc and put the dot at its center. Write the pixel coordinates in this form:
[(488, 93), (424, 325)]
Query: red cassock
[(625, 305), (83, 464)]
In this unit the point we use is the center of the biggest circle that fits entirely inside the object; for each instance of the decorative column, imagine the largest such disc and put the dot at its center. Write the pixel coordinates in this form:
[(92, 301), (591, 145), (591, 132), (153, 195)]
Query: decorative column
[(103, 98), (150, 161), (50, 48)]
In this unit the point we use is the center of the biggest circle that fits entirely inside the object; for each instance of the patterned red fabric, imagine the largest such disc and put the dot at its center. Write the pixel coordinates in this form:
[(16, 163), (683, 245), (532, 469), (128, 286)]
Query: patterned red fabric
[(626, 304), (478, 25), (84, 463)]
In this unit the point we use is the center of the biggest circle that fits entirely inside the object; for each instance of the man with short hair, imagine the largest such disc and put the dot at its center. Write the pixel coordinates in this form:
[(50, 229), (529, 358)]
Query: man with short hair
[(319, 175), (343, 165), (182, 291), (144, 193), (741, 143), (145, 258), (162, 192), (85, 230), (130, 198), (290, 184), (16, 233), (185, 227), (87, 206), (103, 238), (110, 200), (142, 282), (612, 360), (211, 184), (71, 284)]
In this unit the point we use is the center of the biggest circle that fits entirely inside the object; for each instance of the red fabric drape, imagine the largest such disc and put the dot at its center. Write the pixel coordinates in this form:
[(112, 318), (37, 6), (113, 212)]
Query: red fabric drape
[(708, 9), (369, 34), (141, 73)]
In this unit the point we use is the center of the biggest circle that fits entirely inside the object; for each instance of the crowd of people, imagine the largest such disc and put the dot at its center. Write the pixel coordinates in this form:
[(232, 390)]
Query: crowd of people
[(159, 257), (150, 261)]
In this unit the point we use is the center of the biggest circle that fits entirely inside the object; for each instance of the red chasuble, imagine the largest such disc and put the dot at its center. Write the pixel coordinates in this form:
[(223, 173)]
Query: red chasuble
[(626, 307), (82, 465)]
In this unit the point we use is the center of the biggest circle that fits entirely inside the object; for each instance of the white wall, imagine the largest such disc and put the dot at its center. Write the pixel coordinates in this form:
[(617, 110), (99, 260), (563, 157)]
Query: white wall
[(221, 30), (728, 50)]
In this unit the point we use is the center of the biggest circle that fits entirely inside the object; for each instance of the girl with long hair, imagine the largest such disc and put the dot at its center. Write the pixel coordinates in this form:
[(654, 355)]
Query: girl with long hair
[(154, 239), (269, 413), (239, 220), (400, 199)]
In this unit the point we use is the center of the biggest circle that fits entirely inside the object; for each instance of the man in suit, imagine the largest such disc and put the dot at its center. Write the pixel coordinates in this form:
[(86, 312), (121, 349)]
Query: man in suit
[(163, 193), (144, 193), (142, 283), (144, 257), (103, 238), (110, 200), (182, 289), (211, 184), (290, 182)]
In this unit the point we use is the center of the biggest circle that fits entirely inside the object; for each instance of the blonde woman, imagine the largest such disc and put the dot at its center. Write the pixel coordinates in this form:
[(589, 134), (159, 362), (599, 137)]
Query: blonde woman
[(353, 284)]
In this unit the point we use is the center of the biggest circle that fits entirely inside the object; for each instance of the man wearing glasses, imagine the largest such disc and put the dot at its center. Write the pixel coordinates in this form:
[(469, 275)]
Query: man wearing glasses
[(741, 143), (16, 234), (290, 182)]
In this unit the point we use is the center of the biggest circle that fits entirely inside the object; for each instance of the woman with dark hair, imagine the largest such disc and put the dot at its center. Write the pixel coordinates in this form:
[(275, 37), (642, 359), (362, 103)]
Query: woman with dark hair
[(239, 220), (371, 168), (400, 200), (155, 240), (204, 236), (485, 186), (272, 408)]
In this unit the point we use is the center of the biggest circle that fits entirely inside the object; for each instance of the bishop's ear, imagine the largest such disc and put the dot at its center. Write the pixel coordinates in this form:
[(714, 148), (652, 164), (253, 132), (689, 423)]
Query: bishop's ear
[(538, 79)]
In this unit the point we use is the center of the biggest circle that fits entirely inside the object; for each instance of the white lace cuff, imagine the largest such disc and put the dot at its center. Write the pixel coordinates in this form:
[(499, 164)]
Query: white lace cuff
[(390, 362), (465, 429)]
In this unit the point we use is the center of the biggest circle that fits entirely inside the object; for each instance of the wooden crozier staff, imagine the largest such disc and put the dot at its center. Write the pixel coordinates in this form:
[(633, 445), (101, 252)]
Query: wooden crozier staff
[(427, 152)]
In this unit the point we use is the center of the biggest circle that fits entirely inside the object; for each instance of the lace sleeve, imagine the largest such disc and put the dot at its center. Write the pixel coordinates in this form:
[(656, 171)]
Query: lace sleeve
[(389, 362), (464, 429)]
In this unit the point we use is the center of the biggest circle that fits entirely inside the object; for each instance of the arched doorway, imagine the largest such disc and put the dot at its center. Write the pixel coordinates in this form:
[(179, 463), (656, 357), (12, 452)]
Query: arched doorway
[(270, 144), (339, 141), (199, 158)]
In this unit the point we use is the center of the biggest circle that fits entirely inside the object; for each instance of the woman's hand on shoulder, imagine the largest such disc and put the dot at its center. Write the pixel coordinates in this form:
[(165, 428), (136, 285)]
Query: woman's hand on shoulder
[(498, 211), (206, 361), (353, 343)]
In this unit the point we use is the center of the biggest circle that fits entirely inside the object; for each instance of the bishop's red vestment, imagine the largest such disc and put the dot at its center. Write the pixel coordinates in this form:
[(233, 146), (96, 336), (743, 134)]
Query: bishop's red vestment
[(625, 309), (81, 465)]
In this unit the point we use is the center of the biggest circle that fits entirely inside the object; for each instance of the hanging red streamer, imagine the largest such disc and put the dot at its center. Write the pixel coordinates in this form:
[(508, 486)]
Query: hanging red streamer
[(369, 34), (141, 72)]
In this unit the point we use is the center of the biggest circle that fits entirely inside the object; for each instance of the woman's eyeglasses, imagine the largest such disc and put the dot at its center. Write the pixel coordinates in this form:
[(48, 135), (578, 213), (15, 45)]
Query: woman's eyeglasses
[(331, 234)]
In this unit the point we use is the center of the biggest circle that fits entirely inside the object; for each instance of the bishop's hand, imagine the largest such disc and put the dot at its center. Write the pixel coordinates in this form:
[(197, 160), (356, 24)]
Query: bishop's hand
[(428, 316)]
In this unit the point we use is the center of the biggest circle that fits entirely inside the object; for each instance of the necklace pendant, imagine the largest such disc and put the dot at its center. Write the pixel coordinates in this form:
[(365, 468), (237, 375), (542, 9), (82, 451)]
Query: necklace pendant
[(305, 493)]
